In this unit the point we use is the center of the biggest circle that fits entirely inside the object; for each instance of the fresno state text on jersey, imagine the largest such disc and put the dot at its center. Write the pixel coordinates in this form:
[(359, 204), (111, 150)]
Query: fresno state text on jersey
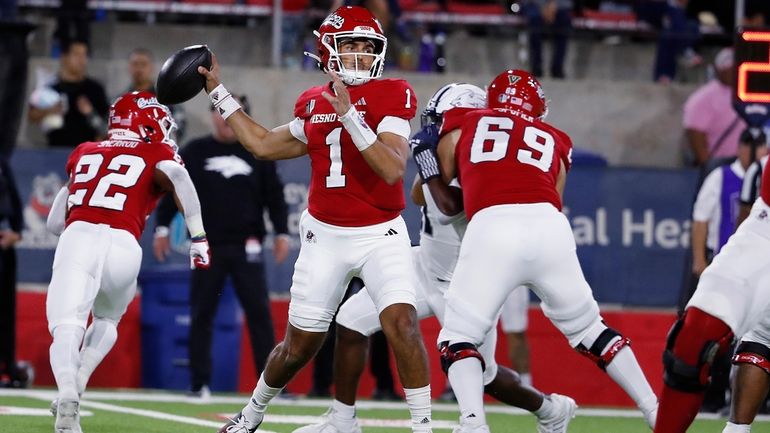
[(111, 182), (344, 189), (507, 157)]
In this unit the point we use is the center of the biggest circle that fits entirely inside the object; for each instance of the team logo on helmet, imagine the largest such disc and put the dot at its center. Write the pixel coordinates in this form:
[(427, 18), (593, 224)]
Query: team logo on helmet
[(148, 102), (335, 21)]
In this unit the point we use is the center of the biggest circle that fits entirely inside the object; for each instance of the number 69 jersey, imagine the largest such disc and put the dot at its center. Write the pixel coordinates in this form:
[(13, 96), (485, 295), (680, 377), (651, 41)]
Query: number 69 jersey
[(111, 182), (506, 157), (344, 190)]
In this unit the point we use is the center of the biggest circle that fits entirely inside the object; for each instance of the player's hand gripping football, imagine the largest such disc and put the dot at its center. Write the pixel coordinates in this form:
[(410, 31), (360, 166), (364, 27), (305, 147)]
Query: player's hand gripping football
[(200, 254), (423, 145), (341, 100), (212, 75)]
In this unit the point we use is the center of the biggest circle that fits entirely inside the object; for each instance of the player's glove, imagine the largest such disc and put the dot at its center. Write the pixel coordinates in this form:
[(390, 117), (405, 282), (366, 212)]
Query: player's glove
[(423, 145), (200, 255)]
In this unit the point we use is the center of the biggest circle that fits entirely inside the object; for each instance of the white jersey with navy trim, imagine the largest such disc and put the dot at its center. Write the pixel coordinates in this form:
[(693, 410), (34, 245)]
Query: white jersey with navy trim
[(751, 181), (439, 243)]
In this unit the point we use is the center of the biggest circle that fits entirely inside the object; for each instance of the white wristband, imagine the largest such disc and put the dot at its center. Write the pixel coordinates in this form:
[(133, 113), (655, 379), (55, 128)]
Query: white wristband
[(224, 102), (362, 135), (161, 232)]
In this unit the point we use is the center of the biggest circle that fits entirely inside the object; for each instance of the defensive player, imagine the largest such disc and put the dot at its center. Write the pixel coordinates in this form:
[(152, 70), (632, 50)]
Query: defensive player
[(435, 259), (355, 130), (512, 167), (113, 186), (732, 299)]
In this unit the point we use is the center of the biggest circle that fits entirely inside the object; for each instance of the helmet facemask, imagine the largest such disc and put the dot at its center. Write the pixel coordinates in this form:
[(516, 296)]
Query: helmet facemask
[(356, 75)]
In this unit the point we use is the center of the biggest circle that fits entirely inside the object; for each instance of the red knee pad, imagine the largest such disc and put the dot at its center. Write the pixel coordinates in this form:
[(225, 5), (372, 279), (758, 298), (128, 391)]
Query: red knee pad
[(756, 354), (455, 352), (693, 342)]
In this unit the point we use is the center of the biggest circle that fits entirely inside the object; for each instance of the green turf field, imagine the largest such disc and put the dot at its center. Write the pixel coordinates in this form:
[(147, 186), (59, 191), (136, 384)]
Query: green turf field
[(155, 412)]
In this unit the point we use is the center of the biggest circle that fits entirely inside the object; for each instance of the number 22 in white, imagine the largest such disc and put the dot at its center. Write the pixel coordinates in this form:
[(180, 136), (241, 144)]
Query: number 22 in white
[(99, 198)]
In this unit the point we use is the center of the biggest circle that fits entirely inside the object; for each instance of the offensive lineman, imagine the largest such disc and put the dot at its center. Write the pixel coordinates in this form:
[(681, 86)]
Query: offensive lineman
[(113, 186), (357, 140), (731, 299), (512, 167), (435, 260)]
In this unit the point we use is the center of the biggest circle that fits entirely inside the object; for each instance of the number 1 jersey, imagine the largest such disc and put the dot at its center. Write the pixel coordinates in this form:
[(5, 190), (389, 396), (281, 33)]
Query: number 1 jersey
[(507, 158), (111, 182), (344, 189)]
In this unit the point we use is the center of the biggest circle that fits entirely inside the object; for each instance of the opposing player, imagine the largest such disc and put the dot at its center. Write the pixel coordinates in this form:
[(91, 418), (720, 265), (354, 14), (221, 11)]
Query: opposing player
[(355, 130), (435, 259), (732, 299), (512, 167), (113, 186)]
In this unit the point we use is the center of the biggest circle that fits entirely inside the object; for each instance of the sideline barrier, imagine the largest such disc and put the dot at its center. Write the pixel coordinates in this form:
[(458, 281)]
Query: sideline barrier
[(631, 225)]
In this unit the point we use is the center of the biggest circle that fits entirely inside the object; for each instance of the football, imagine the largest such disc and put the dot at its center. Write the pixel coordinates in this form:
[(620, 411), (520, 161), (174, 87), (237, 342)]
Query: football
[(179, 80)]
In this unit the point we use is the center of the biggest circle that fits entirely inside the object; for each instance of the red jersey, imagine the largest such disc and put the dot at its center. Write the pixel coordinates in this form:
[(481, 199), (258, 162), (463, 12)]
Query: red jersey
[(507, 158), (344, 189), (764, 186), (111, 182)]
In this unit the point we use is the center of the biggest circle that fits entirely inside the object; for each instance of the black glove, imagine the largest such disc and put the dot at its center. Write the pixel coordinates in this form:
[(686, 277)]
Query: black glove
[(423, 145)]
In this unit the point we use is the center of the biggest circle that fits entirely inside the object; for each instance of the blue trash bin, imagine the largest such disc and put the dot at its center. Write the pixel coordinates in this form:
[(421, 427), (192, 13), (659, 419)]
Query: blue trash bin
[(166, 328)]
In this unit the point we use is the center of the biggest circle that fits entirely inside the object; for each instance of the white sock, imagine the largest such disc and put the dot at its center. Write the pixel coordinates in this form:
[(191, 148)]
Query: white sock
[(99, 339), (259, 399), (466, 377), (418, 400), (625, 371), (526, 379), (737, 428), (343, 411), (546, 409), (65, 359)]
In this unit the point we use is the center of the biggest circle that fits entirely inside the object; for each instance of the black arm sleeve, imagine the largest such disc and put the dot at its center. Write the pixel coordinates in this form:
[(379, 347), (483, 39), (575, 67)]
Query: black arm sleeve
[(17, 219), (272, 191)]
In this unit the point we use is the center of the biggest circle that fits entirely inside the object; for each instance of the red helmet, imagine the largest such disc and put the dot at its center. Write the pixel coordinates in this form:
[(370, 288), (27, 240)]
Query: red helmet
[(139, 116), (517, 90), (346, 23)]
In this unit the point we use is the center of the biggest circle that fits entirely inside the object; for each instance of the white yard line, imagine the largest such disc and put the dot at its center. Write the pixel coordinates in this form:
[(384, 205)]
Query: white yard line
[(364, 422), (30, 411), (165, 397)]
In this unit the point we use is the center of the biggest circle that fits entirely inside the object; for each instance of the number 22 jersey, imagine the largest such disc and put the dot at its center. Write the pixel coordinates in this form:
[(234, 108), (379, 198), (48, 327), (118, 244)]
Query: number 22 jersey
[(344, 189), (505, 157), (112, 182)]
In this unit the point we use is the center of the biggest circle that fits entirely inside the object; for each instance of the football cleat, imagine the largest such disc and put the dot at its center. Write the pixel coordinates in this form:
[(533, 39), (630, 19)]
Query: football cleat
[(564, 411), (329, 424), (470, 427), (68, 417), (239, 424)]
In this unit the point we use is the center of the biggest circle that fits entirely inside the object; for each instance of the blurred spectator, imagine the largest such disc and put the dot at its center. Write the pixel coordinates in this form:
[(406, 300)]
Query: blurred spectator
[(714, 217), (711, 124), (73, 108), (72, 23), (677, 37), (141, 69), (11, 224), (383, 10), (555, 15), (234, 189), (715, 209)]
